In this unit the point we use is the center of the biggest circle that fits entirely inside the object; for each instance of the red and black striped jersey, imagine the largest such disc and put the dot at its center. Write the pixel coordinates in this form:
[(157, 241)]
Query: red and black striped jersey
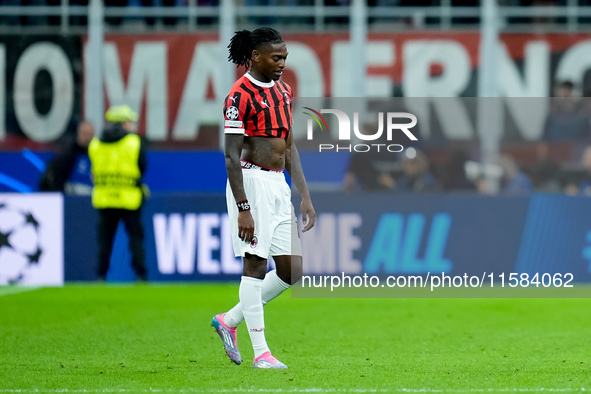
[(258, 109)]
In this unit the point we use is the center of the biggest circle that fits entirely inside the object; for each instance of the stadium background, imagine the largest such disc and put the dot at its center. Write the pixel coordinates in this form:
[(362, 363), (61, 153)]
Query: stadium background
[(59, 66), (492, 196)]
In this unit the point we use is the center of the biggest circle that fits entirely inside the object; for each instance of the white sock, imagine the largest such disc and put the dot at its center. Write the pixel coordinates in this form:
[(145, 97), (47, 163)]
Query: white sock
[(252, 308), (272, 287)]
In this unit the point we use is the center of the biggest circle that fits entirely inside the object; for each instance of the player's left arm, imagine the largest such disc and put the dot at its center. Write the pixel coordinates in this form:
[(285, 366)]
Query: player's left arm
[(295, 171)]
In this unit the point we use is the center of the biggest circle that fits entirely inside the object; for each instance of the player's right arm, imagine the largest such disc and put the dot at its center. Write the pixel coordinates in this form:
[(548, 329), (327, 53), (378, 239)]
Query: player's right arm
[(236, 110), (234, 169)]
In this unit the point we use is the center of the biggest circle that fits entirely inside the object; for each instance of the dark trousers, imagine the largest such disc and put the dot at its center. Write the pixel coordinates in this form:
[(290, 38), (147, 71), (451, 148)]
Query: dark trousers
[(108, 221)]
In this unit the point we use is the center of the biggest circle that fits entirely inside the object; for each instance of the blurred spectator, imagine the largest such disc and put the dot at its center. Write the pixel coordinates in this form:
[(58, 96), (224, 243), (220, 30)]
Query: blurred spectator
[(584, 187), (10, 20), (81, 20), (266, 20), (583, 138), (371, 171), (54, 20), (115, 3), (539, 20), (374, 170), (417, 21), (164, 3), (204, 20), (453, 175), (565, 120), (34, 20), (513, 180), (545, 19), (416, 177), (383, 3), (337, 19), (271, 2), (585, 112), (545, 172), (465, 20), (564, 89), (69, 171)]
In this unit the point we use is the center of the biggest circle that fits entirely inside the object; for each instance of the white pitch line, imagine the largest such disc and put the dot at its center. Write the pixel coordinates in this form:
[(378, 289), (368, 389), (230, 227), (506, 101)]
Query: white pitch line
[(308, 390), (6, 290)]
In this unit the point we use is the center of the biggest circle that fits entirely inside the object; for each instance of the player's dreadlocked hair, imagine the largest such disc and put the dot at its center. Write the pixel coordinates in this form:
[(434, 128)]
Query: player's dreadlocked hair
[(244, 42)]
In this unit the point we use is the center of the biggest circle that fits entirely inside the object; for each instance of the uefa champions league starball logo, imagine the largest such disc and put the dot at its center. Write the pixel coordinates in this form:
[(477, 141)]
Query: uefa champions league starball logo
[(20, 243), (232, 113)]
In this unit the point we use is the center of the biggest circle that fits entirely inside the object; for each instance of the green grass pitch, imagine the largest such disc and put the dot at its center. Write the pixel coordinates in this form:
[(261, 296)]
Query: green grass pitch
[(150, 338)]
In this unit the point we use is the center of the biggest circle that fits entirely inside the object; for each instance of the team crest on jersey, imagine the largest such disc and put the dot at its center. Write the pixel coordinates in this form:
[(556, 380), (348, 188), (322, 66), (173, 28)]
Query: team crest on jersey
[(254, 242), (286, 98), (232, 113)]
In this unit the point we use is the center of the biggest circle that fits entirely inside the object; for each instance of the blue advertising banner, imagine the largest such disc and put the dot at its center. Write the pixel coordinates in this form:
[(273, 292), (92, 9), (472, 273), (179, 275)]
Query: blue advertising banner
[(188, 236), (414, 234)]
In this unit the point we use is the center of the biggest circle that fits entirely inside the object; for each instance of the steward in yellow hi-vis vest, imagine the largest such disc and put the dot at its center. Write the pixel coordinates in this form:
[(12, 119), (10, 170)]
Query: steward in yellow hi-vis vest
[(117, 176), (118, 162)]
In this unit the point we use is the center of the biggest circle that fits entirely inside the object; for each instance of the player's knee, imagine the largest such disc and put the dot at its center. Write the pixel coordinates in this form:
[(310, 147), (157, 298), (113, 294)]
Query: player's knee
[(254, 267), (254, 271), (291, 273)]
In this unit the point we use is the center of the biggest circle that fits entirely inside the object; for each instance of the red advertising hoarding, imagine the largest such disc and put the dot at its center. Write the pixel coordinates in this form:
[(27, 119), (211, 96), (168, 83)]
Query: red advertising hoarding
[(173, 80)]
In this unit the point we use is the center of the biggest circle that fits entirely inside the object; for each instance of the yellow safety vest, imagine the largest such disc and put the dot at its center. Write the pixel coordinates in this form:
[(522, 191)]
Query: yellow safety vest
[(116, 173)]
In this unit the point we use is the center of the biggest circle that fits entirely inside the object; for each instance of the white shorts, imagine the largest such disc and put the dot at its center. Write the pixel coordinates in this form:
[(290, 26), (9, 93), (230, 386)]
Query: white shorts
[(275, 224)]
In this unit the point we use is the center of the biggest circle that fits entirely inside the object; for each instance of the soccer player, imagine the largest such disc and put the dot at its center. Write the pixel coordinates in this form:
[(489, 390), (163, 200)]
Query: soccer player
[(258, 148)]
